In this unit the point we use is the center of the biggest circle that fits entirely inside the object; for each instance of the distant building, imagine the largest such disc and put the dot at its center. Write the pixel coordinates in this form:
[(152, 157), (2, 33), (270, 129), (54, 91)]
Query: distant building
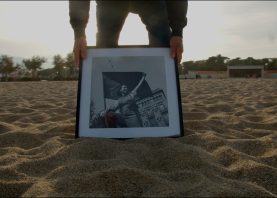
[(270, 74), (234, 72), (154, 110), (244, 70)]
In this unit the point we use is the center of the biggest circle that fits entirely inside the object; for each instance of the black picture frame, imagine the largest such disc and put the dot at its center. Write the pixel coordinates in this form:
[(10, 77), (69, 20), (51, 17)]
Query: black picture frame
[(81, 91)]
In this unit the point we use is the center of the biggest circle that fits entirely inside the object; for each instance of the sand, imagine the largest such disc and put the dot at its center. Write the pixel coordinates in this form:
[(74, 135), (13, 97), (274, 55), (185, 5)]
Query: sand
[(229, 147)]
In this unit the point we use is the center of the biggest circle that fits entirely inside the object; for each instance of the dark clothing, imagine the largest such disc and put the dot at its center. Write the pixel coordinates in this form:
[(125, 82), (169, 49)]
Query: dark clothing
[(129, 115), (110, 20), (112, 120), (158, 16)]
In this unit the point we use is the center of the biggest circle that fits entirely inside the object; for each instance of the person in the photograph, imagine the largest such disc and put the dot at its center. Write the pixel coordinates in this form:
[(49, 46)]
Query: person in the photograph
[(127, 105), (164, 21)]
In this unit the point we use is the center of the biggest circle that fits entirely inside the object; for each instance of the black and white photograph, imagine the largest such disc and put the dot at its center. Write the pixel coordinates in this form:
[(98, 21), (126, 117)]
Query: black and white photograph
[(127, 93), (134, 98)]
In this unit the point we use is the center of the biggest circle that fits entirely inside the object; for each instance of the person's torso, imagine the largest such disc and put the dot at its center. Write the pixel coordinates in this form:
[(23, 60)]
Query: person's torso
[(127, 105)]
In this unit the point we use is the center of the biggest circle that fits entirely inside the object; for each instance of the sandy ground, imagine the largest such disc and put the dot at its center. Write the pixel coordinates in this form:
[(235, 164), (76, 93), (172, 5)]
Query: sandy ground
[(229, 147)]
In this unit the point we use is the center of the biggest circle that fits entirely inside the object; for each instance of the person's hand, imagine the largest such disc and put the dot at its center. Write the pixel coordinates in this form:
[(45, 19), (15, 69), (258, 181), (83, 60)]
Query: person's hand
[(80, 46), (144, 75), (176, 46)]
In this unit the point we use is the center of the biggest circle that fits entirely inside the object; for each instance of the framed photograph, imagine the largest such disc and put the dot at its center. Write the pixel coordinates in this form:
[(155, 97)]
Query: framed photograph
[(128, 92)]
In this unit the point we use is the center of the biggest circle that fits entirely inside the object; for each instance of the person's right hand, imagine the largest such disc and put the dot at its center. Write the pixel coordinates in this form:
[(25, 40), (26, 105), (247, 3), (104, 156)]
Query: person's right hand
[(143, 75), (80, 46)]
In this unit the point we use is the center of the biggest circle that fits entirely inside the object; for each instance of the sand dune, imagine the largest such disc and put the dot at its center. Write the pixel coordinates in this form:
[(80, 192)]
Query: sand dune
[(229, 147)]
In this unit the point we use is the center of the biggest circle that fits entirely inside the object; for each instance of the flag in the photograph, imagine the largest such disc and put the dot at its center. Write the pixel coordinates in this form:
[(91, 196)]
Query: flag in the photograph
[(114, 80)]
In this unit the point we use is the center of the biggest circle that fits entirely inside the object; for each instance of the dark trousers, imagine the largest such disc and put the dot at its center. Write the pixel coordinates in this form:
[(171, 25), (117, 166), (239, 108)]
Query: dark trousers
[(111, 16)]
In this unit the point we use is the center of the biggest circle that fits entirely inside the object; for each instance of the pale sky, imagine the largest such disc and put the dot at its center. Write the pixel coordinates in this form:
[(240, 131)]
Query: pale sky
[(230, 28)]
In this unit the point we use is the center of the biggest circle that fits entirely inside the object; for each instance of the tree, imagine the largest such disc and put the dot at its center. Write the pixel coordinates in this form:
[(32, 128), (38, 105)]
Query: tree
[(7, 65), (199, 65), (272, 65), (58, 63), (235, 61), (46, 72), (265, 60), (21, 69), (211, 63), (217, 63), (70, 62), (251, 61), (220, 63), (34, 64), (192, 65)]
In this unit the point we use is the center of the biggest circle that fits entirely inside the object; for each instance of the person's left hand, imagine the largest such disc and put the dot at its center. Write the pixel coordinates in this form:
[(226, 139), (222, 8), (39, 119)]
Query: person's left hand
[(176, 46)]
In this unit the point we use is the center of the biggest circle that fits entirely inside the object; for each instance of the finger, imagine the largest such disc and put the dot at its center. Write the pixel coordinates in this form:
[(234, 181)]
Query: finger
[(173, 50), (84, 51)]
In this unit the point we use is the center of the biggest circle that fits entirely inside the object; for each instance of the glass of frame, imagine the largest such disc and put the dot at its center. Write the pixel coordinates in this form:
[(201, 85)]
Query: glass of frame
[(128, 92)]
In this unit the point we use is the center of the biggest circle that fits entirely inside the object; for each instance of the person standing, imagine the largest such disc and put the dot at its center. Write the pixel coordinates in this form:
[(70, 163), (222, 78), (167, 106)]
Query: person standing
[(164, 21)]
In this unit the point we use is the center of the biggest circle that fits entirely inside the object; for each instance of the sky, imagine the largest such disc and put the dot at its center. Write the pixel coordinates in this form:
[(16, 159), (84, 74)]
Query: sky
[(230, 28)]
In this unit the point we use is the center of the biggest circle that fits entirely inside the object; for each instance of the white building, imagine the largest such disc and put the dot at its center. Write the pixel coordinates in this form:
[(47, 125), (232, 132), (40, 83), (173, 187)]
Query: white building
[(270, 74), (234, 72), (243, 70)]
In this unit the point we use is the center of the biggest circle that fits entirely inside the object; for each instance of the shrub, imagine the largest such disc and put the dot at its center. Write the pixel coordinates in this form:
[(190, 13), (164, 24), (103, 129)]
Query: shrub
[(3, 79), (58, 78), (10, 79), (26, 79)]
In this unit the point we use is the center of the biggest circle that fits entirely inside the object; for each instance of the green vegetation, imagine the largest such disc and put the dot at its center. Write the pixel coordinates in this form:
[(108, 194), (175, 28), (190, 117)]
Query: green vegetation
[(45, 72), (28, 79), (70, 63), (220, 63), (7, 65), (34, 64), (58, 63), (64, 69)]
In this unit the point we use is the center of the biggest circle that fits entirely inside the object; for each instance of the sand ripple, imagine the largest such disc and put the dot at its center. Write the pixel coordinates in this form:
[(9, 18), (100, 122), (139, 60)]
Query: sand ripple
[(229, 147)]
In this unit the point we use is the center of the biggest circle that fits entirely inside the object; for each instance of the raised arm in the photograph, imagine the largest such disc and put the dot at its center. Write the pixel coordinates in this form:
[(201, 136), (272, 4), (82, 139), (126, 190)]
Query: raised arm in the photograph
[(134, 92)]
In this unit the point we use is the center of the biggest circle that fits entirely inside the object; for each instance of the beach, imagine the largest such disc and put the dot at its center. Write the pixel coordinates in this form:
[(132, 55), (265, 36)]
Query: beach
[(229, 146)]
